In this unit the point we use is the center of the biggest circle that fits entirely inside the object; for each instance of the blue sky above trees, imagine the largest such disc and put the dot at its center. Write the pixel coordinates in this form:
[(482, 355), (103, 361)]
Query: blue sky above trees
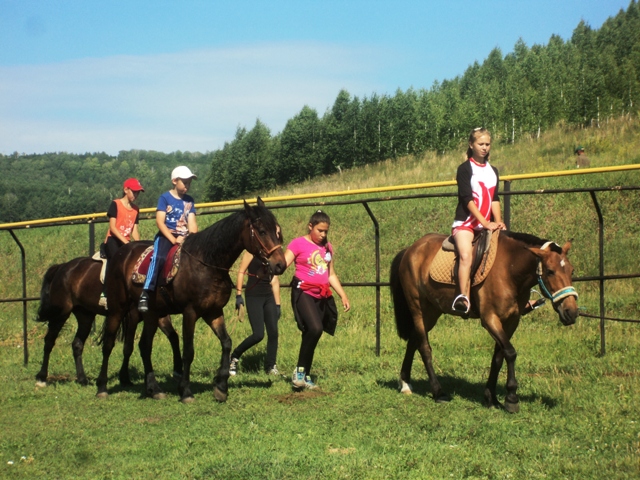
[(86, 76)]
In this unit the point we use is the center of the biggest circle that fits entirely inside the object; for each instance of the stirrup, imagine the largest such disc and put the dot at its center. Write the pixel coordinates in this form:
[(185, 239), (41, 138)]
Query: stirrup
[(458, 302)]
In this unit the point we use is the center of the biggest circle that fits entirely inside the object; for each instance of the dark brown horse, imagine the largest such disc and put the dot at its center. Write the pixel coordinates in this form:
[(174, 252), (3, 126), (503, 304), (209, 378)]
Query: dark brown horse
[(74, 287), (200, 289), (522, 261)]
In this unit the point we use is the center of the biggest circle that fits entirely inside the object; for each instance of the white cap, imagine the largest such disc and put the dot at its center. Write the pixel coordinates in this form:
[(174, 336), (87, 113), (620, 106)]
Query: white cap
[(183, 173)]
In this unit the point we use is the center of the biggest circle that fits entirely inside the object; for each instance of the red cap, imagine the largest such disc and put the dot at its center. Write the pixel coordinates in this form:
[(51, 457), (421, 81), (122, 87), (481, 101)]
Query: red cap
[(133, 184)]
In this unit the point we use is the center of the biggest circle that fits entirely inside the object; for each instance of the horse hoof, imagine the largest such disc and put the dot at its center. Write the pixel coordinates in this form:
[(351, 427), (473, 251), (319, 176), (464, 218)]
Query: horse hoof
[(102, 395), (159, 396), (405, 388), (40, 384), (512, 407), (187, 400), (219, 395)]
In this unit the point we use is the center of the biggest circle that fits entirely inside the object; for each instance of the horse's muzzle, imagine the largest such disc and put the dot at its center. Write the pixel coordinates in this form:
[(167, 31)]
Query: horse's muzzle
[(568, 310)]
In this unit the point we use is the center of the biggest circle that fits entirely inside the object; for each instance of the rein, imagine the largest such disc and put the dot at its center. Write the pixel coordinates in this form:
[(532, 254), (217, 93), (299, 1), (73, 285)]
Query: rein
[(558, 295)]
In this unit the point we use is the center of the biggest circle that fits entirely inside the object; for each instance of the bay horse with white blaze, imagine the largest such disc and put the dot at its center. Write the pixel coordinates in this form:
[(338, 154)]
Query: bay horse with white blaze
[(522, 261), (200, 289), (75, 287)]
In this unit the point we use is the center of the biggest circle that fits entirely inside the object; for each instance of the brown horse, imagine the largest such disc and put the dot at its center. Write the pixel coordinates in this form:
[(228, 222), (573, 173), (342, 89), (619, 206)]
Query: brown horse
[(200, 289), (522, 261), (74, 287)]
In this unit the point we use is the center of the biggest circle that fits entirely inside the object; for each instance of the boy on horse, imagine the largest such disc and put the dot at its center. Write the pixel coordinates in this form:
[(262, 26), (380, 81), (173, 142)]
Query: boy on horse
[(175, 218)]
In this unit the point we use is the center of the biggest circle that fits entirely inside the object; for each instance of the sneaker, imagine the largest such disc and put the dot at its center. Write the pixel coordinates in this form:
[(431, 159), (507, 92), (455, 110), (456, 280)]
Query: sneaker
[(273, 371), (233, 366), (298, 378), (308, 384), (143, 303), (103, 301)]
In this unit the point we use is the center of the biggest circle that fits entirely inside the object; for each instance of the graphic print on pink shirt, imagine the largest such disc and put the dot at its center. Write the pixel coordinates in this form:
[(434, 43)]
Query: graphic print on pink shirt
[(312, 261)]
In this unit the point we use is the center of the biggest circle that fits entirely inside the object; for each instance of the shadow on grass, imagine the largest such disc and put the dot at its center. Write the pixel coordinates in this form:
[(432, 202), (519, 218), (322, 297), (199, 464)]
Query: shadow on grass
[(474, 392), (169, 385)]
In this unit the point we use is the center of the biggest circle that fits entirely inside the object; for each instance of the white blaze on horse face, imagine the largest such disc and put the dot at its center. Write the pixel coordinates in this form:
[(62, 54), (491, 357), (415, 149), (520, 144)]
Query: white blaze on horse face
[(562, 263)]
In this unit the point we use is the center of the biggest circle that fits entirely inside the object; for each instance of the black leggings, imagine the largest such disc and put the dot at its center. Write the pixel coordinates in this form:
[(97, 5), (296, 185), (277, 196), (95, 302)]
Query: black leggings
[(111, 246), (262, 313), (311, 311)]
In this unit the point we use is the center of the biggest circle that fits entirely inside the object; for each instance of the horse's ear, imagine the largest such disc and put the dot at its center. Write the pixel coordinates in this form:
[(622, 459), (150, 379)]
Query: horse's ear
[(247, 209), (261, 203), (566, 247), (538, 252)]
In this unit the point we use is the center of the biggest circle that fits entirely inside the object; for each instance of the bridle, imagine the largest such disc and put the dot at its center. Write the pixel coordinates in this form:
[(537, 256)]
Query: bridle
[(265, 252), (558, 295)]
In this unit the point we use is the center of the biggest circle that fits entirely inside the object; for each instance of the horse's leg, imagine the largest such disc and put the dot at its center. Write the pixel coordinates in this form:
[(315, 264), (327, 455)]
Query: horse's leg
[(188, 328), (424, 319), (152, 388), (504, 350), (53, 330), (221, 390), (490, 397), (85, 322), (167, 328), (407, 363), (110, 329), (130, 326), (425, 352)]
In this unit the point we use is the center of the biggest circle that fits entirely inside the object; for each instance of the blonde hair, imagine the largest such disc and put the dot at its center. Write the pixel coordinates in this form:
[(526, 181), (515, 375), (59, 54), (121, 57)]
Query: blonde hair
[(475, 134)]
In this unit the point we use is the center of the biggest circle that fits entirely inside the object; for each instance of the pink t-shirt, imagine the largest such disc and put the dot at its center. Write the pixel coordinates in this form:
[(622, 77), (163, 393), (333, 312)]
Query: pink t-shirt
[(312, 262)]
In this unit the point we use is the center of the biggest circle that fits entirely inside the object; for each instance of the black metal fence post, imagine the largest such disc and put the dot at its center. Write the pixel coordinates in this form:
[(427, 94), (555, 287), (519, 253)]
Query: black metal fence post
[(377, 237), (24, 298), (92, 238), (601, 271), (507, 205)]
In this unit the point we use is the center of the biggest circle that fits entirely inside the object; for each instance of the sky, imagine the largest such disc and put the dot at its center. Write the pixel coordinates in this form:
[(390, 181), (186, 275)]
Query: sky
[(104, 76)]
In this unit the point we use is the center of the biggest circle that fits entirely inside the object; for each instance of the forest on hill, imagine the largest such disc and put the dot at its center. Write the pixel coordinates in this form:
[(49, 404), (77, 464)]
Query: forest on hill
[(583, 81)]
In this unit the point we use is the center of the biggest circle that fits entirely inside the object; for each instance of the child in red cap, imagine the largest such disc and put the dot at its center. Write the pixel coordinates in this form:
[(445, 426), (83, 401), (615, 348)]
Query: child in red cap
[(123, 224)]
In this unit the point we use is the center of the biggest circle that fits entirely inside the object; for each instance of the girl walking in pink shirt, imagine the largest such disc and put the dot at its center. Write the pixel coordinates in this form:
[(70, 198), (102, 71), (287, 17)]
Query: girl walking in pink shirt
[(311, 297)]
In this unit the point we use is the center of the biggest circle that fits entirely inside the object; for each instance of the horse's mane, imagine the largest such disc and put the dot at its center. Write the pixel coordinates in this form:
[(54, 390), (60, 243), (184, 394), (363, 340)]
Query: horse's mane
[(531, 240), (220, 237)]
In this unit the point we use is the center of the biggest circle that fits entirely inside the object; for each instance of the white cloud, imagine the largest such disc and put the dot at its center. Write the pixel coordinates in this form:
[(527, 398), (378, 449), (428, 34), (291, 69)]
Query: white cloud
[(182, 101)]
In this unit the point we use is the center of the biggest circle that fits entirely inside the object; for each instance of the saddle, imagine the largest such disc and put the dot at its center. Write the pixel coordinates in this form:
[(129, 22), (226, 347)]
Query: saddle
[(169, 270), (98, 257), (444, 266)]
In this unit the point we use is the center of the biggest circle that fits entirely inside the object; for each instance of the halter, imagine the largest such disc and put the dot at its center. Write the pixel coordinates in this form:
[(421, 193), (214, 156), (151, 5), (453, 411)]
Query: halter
[(559, 295)]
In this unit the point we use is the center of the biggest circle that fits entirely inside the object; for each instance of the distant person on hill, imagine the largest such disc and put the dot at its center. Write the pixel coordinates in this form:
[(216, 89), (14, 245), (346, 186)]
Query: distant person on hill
[(175, 218), (311, 299), (263, 309), (123, 225), (478, 208), (581, 159)]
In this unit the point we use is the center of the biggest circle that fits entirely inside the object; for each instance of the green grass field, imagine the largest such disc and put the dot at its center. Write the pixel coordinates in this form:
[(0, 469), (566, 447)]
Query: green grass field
[(579, 412)]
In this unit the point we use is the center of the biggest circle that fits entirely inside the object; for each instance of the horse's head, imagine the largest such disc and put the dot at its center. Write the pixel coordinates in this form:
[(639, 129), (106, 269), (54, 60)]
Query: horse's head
[(265, 239), (554, 278)]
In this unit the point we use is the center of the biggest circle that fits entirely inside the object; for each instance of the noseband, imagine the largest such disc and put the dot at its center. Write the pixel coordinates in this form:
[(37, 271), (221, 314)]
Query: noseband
[(558, 295)]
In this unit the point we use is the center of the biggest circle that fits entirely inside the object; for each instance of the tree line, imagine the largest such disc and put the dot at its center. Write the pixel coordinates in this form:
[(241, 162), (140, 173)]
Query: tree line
[(61, 184), (593, 76)]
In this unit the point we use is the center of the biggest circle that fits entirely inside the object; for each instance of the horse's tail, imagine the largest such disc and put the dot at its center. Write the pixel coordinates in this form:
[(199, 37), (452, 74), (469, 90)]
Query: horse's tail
[(46, 311), (121, 329), (404, 322)]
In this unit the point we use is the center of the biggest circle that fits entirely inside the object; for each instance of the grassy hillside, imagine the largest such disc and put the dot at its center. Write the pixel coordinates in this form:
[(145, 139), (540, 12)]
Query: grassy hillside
[(578, 411)]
